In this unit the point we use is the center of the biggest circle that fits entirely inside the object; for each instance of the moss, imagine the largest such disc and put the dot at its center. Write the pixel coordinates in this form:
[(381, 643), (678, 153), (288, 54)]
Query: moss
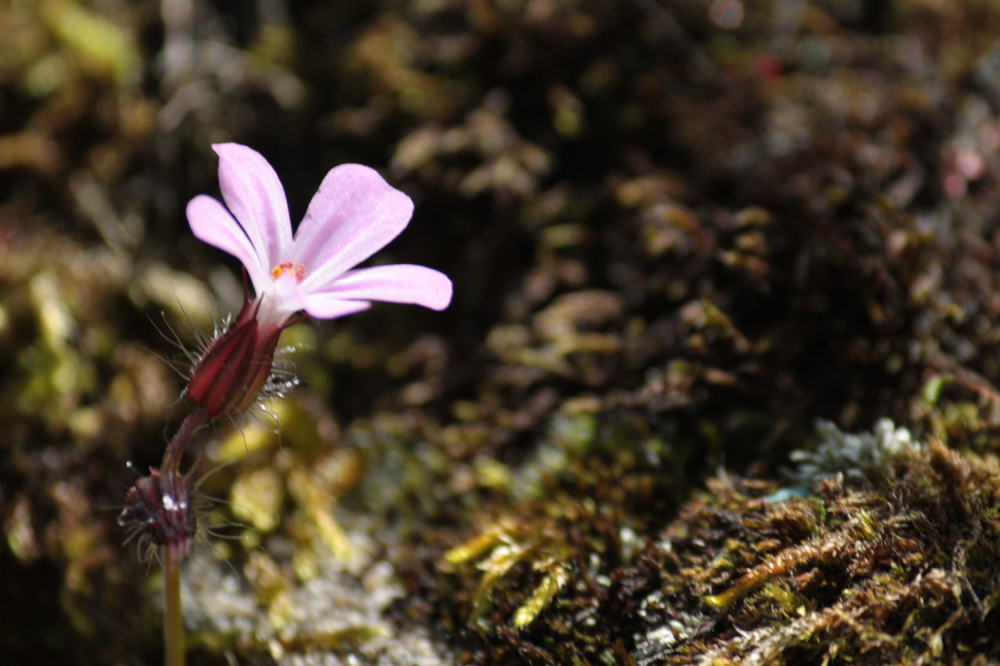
[(673, 256)]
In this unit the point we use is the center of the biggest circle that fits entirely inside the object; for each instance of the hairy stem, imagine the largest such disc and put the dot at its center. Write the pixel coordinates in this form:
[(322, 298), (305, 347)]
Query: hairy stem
[(173, 620), (173, 625), (175, 449)]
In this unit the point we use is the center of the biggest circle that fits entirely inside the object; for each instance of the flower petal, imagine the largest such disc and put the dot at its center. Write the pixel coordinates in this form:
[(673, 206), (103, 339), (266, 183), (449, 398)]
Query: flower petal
[(256, 198), (354, 214), (331, 306), (398, 283), (212, 223)]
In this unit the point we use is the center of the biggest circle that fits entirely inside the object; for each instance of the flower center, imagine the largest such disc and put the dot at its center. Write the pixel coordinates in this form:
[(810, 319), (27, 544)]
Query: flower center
[(288, 267)]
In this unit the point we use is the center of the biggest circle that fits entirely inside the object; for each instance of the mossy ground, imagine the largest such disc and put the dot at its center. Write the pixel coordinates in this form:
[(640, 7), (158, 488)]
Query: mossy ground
[(672, 257)]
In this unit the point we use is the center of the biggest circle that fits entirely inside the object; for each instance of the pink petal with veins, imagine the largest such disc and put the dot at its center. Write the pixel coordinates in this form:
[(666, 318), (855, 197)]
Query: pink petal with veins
[(328, 306), (253, 193), (354, 214), (398, 283), (212, 223)]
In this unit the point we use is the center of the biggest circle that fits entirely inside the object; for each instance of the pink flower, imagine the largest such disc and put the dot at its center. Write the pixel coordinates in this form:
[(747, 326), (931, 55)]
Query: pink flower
[(354, 214)]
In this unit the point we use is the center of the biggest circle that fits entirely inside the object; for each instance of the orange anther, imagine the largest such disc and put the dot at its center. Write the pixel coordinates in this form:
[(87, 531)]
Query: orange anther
[(298, 269)]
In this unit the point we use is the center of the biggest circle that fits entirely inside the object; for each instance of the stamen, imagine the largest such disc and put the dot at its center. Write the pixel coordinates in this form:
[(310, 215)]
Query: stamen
[(287, 266)]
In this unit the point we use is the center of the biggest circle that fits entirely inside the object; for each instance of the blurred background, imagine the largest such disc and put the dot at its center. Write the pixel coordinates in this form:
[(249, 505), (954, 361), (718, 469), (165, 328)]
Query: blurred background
[(680, 231)]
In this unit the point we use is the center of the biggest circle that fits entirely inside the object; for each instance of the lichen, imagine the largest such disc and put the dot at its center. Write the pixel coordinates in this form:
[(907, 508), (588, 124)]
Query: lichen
[(854, 456)]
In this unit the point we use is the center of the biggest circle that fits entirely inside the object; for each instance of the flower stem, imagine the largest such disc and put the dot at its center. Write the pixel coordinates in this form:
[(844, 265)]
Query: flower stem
[(173, 553), (173, 625), (175, 449)]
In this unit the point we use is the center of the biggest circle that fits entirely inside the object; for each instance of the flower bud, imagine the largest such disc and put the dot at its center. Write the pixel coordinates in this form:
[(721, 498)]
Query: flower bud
[(159, 511), (235, 367)]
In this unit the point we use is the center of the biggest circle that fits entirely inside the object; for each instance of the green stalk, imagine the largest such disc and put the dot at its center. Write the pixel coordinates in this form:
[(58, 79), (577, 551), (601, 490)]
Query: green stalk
[(173, 624)]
